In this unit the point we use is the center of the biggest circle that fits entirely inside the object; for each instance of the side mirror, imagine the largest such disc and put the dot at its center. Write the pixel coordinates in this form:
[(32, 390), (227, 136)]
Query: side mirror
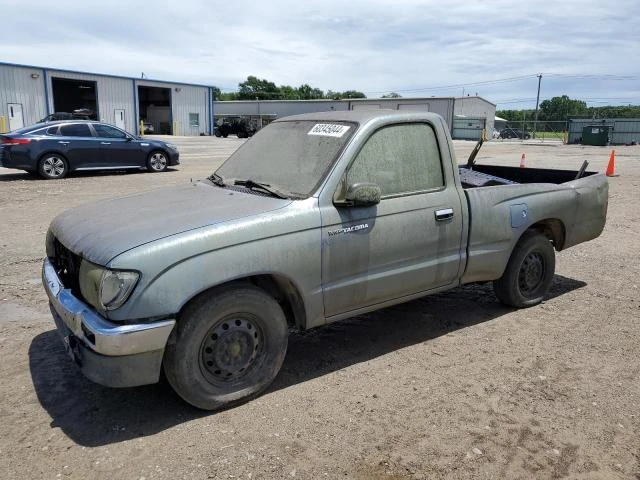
[(361, 195)]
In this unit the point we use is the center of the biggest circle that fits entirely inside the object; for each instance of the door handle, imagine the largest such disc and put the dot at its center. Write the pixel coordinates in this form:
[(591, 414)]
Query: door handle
[(444, 214), (64, 143), (105, 143)]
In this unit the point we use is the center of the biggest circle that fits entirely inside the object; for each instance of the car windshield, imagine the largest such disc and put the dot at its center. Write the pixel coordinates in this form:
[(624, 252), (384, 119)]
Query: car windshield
[(292, 156)]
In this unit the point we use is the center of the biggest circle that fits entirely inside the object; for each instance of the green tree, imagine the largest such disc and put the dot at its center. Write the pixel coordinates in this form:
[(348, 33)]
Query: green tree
[(352, 94), (392, 95), (254, 88), (287, 92), (559, 108)]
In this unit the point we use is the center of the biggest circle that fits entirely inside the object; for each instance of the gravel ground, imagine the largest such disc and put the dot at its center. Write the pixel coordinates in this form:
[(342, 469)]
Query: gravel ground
[(449, 386)]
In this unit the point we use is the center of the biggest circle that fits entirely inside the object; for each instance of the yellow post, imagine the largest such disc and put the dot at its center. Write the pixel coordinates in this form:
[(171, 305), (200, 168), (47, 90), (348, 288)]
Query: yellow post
[(3, 124), (175, 128), (141, 128)]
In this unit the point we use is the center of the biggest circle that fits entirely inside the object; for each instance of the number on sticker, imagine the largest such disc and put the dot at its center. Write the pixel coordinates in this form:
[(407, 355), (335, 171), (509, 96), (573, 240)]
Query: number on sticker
[(328, 130)]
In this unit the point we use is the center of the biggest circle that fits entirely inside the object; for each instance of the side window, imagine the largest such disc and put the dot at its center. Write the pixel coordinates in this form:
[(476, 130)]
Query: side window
[(105, 131), (75, 130), (52, 130), (400, 159)]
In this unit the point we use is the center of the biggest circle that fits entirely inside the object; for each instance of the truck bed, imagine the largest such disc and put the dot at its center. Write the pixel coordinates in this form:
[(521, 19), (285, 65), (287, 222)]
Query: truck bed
[(491, 175)]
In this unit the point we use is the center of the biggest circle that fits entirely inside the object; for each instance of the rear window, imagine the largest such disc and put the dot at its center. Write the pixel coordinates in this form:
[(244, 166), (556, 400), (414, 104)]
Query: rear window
[(44, 131), (75, 130)]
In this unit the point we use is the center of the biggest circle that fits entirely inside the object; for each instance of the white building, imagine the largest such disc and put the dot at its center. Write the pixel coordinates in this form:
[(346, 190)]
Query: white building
[(28, 94)]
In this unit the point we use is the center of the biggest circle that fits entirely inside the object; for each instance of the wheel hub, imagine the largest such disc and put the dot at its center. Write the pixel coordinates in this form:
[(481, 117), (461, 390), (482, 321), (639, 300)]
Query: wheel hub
[(531, 272), (230, 348)]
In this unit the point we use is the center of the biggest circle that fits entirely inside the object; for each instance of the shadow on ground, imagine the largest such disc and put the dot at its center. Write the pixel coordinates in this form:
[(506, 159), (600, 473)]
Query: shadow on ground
[(92, 415)]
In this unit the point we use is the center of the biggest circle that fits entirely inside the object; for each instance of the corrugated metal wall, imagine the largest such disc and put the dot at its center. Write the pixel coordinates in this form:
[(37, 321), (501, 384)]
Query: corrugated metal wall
[(25, 86), (476, 107), (443, 106), (185, 100), (113, 93), (276, 108), (468, 128), (283, 108), (624, 131)]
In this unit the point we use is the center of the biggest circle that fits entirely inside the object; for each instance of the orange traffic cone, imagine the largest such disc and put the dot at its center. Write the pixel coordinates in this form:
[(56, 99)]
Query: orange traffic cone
[(611, 168), (522, 159)]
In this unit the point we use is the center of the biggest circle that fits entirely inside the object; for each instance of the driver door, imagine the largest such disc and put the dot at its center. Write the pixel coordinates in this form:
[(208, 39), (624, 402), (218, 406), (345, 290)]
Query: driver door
[(403, 245)]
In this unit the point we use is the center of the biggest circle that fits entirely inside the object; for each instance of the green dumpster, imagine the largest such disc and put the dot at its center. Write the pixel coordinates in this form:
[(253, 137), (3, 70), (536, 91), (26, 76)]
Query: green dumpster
[(596, 135)]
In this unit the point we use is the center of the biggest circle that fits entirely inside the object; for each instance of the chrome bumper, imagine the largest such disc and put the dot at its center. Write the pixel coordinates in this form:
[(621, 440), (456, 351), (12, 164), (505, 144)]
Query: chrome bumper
[(94, 331)]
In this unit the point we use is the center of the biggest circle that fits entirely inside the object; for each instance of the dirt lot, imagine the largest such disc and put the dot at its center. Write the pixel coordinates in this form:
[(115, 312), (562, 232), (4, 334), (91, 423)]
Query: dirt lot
[(450, 386)]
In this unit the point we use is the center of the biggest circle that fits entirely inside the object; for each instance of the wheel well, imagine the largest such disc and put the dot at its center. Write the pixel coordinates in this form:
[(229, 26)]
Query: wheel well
[(276, 286), (158, 150), (553, 229)]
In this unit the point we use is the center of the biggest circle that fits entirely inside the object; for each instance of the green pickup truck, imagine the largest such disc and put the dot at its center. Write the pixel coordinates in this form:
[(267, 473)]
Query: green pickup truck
[(317, 218)]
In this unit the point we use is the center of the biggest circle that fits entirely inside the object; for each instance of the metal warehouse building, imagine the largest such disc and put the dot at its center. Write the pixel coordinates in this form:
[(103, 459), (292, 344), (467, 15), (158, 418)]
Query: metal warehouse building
[(28, 94), (466, 116)]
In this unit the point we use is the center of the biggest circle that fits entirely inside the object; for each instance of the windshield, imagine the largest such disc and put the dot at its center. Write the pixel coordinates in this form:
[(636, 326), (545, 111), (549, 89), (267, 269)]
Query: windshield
[(292, 155)]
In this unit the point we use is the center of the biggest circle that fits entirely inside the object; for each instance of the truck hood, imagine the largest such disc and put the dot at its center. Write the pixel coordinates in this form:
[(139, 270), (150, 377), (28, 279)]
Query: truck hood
[(102, 230)]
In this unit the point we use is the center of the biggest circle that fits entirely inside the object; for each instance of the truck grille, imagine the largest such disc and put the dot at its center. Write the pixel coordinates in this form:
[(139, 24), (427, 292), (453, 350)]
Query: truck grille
[(67, 265)]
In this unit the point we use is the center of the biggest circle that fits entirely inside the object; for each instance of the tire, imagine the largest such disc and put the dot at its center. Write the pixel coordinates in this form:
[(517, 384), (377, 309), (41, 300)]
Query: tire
[(53, 166), (157, 161), (217, 133), (529, 273), (225, 135), (227, 347)]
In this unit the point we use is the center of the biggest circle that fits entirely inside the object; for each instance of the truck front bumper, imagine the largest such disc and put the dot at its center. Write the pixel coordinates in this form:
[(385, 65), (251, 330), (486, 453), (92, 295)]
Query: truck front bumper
[(107, 353)]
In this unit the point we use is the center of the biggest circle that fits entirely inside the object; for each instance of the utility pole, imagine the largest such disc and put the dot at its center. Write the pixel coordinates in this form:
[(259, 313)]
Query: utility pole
[(535, 121)]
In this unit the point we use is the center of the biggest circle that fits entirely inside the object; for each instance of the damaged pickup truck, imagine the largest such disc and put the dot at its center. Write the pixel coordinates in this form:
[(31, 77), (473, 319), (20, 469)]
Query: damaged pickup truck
[(317, 218)]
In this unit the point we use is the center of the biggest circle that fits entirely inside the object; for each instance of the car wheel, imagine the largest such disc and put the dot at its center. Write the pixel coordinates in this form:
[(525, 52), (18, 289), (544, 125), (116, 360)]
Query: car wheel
[(217, 134), (157, 161), (529, 273), (241, 135), (53, 166), (227, 346), (225, 135)]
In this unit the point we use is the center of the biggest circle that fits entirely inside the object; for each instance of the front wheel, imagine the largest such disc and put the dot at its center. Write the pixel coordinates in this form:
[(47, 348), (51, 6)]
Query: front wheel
[(529, 273), (157, 162), (227, 346)]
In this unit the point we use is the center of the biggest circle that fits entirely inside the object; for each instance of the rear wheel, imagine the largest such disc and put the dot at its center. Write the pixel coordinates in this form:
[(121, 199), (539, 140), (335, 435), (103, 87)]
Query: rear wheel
[(53, 166), (157, 161), (529, 273), (227, 346)]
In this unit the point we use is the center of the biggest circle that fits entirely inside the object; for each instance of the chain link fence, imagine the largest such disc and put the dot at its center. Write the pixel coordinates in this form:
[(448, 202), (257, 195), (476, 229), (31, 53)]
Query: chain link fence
[(524, 130)]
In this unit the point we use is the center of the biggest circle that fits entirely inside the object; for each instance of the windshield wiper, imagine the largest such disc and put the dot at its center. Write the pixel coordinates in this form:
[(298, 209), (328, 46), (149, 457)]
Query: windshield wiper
[(216, 180), (262, 186)]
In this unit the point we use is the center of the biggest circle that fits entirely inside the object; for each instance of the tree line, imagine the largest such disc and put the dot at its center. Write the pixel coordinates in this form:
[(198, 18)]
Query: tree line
[(559, 109), (254, 88)]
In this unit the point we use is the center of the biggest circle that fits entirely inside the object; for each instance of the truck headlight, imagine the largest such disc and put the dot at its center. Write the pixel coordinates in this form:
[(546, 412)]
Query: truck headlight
[(115, 287), (106, 289)]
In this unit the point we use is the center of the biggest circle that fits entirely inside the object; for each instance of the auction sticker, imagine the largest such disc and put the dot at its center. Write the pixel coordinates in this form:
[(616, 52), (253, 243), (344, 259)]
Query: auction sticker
[(328, 130)]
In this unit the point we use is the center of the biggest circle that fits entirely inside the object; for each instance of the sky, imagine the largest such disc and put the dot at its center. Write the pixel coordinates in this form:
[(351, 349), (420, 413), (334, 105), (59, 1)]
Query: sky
[(589, 50)]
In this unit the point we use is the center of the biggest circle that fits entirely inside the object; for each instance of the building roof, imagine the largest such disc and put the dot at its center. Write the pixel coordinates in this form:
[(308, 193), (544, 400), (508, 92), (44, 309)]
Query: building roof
[(49, 69)]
